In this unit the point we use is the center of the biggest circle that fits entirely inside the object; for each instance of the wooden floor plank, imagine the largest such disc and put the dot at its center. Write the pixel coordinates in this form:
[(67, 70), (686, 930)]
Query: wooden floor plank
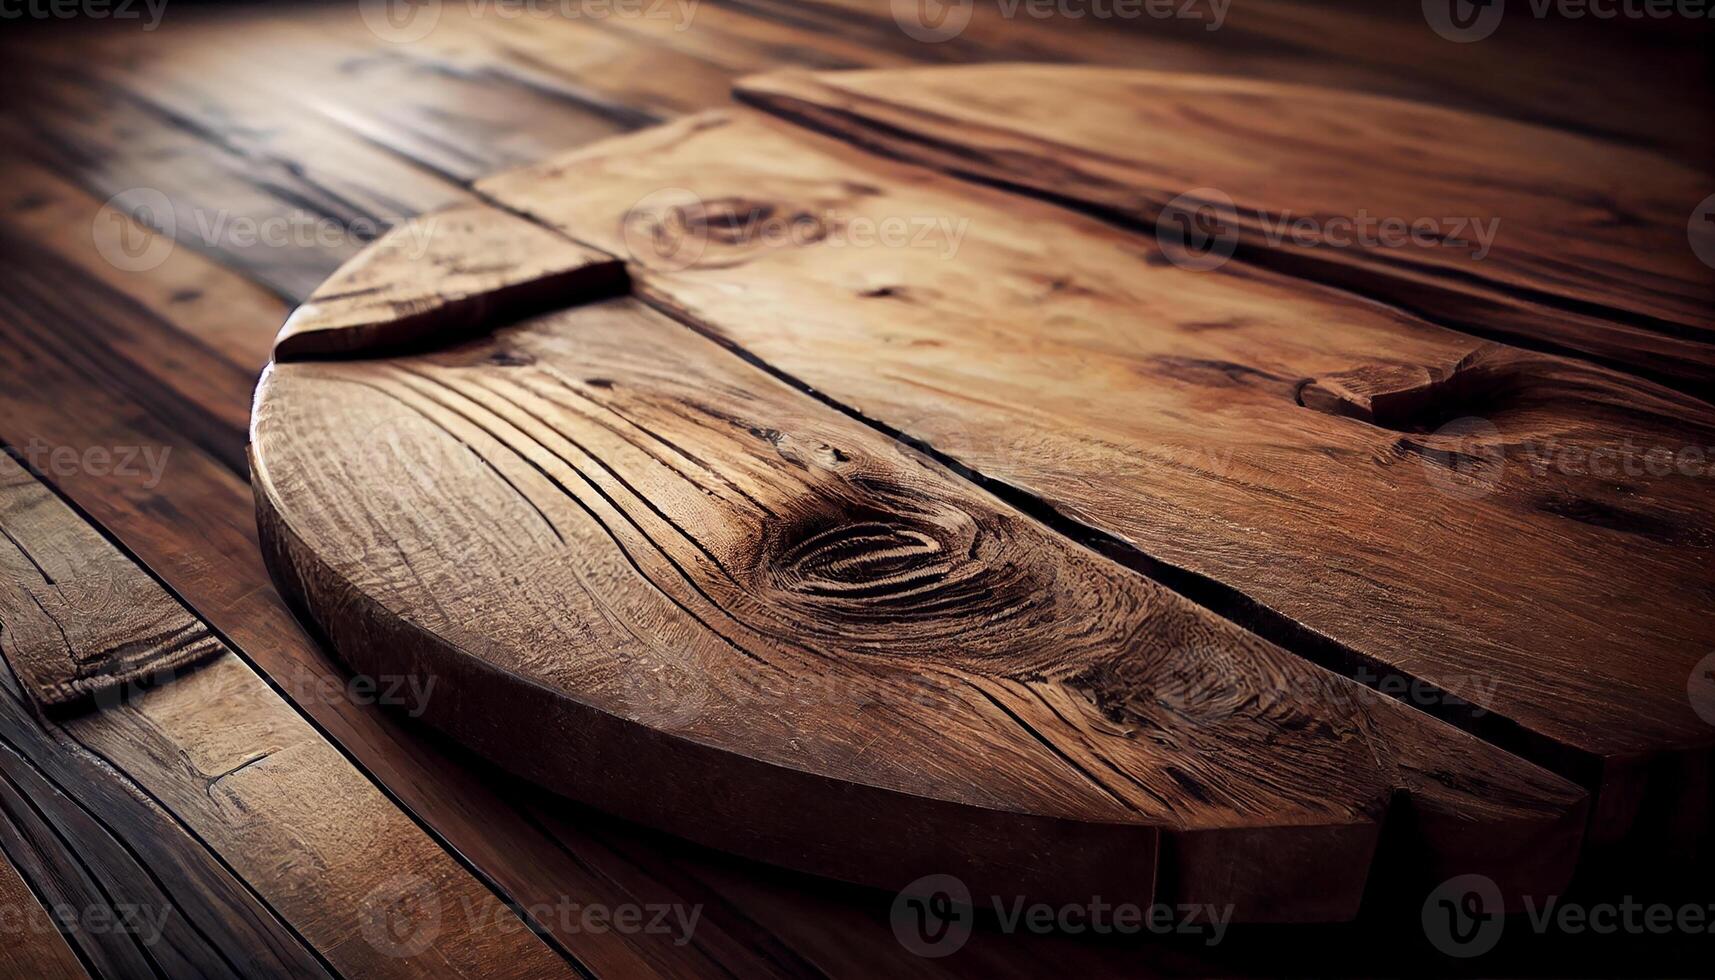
[(195, 527), (34, 946), (228, 833)]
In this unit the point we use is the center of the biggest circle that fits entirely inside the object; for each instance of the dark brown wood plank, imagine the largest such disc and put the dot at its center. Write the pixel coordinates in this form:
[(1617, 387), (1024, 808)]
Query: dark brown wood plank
[(1475, 221), (34, 946), (1075, 365)]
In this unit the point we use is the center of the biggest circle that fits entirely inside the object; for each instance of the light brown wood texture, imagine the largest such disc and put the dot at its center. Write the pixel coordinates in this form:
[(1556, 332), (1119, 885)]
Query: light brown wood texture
[(1548, 236), (208, 764), (475, 266), (33, 946), (612, 540), (1467, 545)]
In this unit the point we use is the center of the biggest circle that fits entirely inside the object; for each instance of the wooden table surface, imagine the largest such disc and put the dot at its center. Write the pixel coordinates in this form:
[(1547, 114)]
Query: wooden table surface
[(264, 814)]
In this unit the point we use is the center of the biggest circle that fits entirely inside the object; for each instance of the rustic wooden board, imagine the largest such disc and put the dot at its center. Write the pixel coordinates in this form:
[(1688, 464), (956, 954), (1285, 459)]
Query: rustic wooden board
[(487, 267), (33, 946), (1461, 543), (198, 823), (197, 529), (1535, 233), (621, 539), (116, 356)]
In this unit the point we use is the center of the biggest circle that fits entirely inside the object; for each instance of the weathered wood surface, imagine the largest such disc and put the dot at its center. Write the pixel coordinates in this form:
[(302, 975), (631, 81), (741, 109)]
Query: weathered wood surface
[(1486, 223), (196, 824), (618, 537), (1464, 542), (33, 946), (196, 527), (260, 112)]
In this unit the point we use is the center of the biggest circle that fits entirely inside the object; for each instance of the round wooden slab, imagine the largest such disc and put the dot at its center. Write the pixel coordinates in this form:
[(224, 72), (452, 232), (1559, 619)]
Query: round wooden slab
[(648, 570)]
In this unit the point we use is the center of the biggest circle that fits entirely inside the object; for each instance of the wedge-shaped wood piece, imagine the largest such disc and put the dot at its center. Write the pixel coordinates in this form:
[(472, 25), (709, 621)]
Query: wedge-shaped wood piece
[(1489, 223), (648, 575), (215, 825), (1518, 539), (441, 275)]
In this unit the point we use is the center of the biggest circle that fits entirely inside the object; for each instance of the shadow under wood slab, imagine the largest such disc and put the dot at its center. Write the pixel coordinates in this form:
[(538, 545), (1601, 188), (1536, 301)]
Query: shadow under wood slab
[(1529, 536), (201, 827), (1528, 231), (649, 575)]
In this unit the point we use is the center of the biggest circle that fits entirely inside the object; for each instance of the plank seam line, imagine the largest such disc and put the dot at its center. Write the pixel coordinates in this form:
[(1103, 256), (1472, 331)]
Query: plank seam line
[(481, 876), (1298, 268), (1222, 599)]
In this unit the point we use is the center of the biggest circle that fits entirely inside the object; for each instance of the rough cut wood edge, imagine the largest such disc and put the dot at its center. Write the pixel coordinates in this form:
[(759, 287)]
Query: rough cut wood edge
[(440, 276), (1632, 294), (1498, 816), (210, 780)]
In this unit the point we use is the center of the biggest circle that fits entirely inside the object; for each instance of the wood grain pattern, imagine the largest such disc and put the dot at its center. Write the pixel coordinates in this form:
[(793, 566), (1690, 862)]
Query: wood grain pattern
[(1548, 236), (835, 654), (71, 634), (258, 111), (33, 946), (1071, 362), (267, 852), (197, 529), (441, 275)]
